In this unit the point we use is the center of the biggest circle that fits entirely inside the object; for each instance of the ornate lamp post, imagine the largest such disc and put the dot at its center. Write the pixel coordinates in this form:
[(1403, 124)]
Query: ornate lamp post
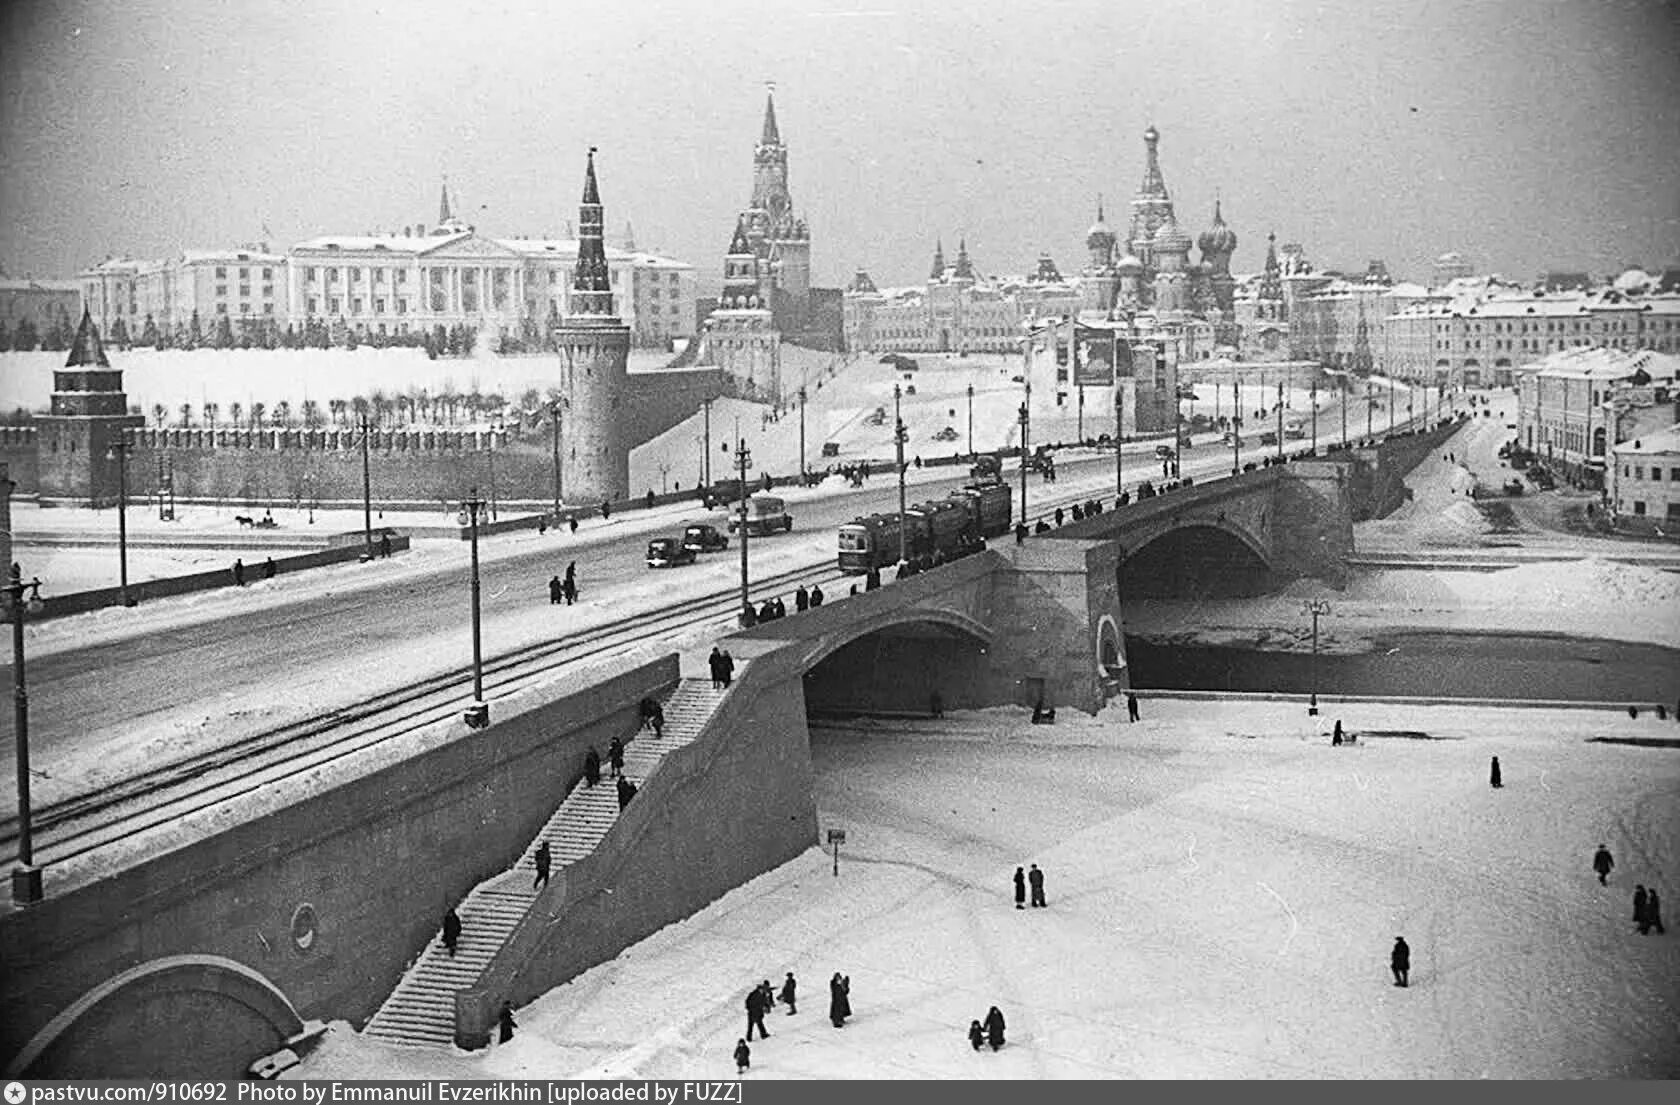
[(898, 447), (1023, 418), (477, 715), (743, 458), (1317, 608), (26, 877), (554, 421), (1119, 439), (971, 422), (119, 453)]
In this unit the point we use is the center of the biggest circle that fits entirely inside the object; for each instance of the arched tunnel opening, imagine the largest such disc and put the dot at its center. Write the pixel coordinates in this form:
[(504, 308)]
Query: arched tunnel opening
[(899, 670), (1194, 562)]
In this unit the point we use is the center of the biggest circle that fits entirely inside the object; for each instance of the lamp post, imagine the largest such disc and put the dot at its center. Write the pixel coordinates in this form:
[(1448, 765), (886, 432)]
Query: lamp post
[(1369, 407), (1392, 406), (801, 437), (1280, 422), (1314, 413), (743, 457), (367, 509), (898, 448), (26, 877), (554, 420), (119, 453), (1317, 608), (1021, 417), (477, 716), (706, 450), (971, 422), (1119, 438), (1342, 396)]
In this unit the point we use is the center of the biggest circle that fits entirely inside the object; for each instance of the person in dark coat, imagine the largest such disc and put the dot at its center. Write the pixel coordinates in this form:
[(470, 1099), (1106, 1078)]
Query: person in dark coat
[(239, 573), (976, 1036), (570, 589), (384, 546), (755, 1012), (790, 991), (994, 1028), (1132, 708), (591, 766), (505, 1020), (1035, 878), (715, 663), (801, 600), (451, 931), (743, 1056), (781, 607), (767, 611), (626, 791), (269, 569), (571, 522), (1336, 734), (650, 498), (1400, 961), (728, 669), (1020, 888), (1493, 775), (1020, 537), (839, 999), (1602, 863), (936, 705), (816, 595), (615, 757), (544, 859), (1653, 911), (872, 580), (556, 592), (653, 716), (606, 510), (1640, 917)]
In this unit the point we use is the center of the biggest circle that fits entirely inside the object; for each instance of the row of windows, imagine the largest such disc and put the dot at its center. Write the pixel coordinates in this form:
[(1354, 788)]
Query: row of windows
[(1639, 508), (245, 309), (311, 275), (333, 303), (1638, 473), (244, 273)]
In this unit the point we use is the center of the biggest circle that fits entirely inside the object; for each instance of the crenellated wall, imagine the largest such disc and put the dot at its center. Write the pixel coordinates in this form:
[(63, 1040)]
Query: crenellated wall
[(18, 451)]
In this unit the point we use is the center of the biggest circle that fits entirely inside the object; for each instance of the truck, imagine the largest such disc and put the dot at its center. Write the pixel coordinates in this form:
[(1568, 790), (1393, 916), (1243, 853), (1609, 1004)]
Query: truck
[(766, 514)]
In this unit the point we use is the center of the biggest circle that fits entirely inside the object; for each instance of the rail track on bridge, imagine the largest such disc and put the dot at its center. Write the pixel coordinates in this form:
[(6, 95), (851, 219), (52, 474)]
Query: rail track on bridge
[(200, 781)]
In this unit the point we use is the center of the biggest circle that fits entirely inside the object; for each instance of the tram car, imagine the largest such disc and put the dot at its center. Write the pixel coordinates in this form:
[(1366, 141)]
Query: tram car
[(942, 526)]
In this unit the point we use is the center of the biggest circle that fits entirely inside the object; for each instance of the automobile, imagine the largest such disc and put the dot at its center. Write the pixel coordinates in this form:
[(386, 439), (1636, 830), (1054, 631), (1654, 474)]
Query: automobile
[(765, 515), (877, 417), (667, 552), (702, 538), (1231, 438), (1164, 452), (947, 434), (831, 449), (1269, 437)]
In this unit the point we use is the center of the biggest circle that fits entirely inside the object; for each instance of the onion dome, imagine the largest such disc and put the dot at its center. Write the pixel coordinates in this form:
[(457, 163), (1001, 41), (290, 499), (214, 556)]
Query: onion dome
[(1170, 239), (1219, 238), (1129, 266), (1099, 236)]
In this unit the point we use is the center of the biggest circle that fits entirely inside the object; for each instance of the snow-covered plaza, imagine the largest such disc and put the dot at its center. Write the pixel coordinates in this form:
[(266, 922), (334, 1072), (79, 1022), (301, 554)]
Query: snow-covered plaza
[(1223, 886)]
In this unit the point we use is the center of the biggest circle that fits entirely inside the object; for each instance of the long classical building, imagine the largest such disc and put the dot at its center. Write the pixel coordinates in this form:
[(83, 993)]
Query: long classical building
[(392, 283)]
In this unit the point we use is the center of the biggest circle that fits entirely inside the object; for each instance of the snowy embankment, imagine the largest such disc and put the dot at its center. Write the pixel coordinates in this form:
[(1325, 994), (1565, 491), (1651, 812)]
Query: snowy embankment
[(1223, 888)]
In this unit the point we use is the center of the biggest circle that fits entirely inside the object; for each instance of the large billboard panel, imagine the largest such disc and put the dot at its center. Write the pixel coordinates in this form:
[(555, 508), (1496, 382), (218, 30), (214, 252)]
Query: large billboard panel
[(1093, 357)]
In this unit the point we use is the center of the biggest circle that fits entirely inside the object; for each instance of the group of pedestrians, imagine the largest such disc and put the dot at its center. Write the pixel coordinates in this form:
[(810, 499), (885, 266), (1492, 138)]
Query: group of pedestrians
[(772, 608), (723, 668), (1647, 904), (989, 1031), (762, 998), (1034, 879), (615, 760), (564, 590)]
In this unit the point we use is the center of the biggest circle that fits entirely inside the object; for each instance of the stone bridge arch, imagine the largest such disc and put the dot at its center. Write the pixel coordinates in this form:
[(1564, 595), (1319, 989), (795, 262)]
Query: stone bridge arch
[(180, 1016), (1198, 558), (894, 661)]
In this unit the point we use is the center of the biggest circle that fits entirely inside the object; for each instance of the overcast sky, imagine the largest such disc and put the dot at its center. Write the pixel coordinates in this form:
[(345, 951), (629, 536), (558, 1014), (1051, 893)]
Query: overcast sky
[(1526, 135)]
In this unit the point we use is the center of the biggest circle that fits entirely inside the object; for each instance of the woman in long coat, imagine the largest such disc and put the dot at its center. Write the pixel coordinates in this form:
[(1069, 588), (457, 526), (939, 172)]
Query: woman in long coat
[(994, 1028), (839, 1001)]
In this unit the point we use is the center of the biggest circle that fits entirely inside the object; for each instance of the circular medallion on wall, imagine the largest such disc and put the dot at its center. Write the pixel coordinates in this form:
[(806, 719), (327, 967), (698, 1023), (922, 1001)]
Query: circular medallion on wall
[(305, 927)]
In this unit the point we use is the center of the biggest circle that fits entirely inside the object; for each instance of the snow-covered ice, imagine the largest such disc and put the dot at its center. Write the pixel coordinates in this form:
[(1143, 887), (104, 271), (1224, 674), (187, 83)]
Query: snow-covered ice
[(1223, 888)]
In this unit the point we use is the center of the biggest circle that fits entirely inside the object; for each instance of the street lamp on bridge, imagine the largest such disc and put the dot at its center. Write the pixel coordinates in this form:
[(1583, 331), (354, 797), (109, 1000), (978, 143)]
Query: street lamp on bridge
[(26, 877), (1318, 608), (118, 452), (477, 716)]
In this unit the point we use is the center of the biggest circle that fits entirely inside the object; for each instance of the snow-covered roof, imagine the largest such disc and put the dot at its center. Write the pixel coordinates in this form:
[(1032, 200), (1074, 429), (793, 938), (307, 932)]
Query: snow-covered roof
[(567, 249), (231, 256), (378, 243), (1599, 362), (1663, 441)]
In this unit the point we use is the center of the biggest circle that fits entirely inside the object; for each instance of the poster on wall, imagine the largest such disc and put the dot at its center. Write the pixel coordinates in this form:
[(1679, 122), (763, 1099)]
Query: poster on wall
[(1093, 357)]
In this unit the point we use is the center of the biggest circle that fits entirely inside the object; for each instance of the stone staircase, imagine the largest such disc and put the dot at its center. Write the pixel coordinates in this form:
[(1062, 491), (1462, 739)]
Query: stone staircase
[(421, 1011)]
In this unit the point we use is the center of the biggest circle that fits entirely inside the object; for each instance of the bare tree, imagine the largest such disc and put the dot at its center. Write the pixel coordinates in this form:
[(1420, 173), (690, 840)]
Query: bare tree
[(160, 414), (186, 415), (236, 411), (283, 413), (311, 414), (210, 412)]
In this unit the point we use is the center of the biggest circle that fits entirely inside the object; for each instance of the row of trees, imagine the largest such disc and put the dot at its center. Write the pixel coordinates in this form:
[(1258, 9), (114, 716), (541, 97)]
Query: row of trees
[(27, 336), (382, 409), (246, 333)]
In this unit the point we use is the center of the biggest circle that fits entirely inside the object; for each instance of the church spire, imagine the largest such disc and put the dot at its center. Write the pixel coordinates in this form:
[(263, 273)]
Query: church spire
[(772, 136), (1153, 184), (591, 283), (938, 270), (444, 214), (965, 267)]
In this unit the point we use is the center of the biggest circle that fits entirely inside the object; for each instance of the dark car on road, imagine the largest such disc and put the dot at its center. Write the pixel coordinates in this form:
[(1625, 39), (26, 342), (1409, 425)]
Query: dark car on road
[(667, 552), (703, 538)]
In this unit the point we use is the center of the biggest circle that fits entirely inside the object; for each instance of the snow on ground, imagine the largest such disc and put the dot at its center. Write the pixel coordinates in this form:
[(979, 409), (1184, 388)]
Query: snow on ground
[(1587, 598), (1224, 888)]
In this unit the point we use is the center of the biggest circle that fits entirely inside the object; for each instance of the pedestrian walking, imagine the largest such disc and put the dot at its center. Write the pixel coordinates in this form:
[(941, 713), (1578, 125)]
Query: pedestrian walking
[(1493, 775), (1602, 863), (1336, 734), (872, 579), (801, 600), (505, 1020), (790, 990), (571, 522), (451, 931), (715, 663), (239, 573), (994, 1028), (755, 1013), (1035, 879), (1640, 917), (1400, 961), (556, 592), (816, 595), (544, 859), (936, 705), (269, 569), (571, 591), (1132, 708), (743, 1057), (1020, 888), (728, 669), (591, 766), (976, 1036), (606, 510), (626, 791), (1653, 911), (839, 999), (384, 546), (650, 498), (615, 756)]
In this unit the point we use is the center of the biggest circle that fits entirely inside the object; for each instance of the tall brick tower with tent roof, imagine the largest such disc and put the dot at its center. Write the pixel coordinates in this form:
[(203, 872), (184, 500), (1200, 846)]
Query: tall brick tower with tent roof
[(89, 413)]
